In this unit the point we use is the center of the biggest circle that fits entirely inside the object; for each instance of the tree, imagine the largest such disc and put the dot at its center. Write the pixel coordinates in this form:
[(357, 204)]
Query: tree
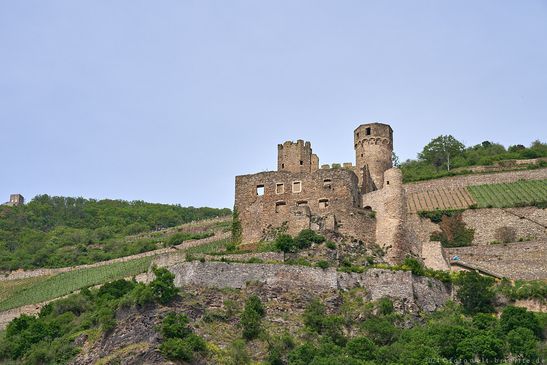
[(252, 317), (163, 285), (514, 317), (285, 243), (475, 293), (441, 150)]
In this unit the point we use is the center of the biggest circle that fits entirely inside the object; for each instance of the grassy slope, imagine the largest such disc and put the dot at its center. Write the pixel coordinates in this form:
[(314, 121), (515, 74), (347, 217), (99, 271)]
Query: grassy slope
[(520, 193)]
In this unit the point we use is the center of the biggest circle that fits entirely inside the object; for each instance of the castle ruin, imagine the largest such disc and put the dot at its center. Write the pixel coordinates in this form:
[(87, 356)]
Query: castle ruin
[(15, 200), (362, 202)]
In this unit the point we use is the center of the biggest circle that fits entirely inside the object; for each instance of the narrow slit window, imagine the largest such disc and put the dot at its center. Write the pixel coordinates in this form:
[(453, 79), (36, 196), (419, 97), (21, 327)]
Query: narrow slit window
[(301, 162), (301, 203), (368, 131), (260, 190), (279, 188), (296, 186)]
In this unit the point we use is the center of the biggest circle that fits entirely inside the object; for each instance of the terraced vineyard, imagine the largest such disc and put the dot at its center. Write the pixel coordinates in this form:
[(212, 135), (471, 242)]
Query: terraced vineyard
[(440, 198), (519, 193), (43, 289)]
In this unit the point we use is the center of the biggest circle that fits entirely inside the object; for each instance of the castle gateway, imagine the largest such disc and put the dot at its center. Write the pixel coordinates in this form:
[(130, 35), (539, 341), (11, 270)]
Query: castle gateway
[(362, 202)]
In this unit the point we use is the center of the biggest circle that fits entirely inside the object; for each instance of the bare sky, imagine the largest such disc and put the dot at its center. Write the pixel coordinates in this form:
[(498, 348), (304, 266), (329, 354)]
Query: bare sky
[(166, 101)]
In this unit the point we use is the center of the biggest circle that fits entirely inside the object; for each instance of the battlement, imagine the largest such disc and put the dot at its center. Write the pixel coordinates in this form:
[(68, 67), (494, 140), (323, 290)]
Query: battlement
[(296, 157)]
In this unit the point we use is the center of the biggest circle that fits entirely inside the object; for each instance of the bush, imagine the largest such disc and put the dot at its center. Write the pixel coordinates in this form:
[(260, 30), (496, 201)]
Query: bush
[(505, 234), (323, 264), (330, 245), (252, 317), (361, 348), (175, 325), (522, 343), (453, 232), (177, 349), (285, 243), (515, 317), (475, 292), (307, 237), (415, 266), (163, 286)]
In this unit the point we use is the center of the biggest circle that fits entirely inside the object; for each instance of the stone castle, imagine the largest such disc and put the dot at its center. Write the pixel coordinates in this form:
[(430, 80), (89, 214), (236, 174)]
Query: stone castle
[(15, 200), (362, 202)]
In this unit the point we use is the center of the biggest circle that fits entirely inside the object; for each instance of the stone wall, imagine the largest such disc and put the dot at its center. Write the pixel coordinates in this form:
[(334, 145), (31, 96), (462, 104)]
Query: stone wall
[(529, 223), (373, 145), (467, 180), (325, 200), (410, 293), (519, 260)]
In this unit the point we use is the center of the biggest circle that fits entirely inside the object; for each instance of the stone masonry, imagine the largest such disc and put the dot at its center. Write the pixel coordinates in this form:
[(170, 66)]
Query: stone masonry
[(338, 200)]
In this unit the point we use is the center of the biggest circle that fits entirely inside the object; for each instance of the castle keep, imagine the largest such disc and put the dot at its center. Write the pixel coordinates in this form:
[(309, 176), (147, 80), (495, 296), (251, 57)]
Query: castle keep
[(362, 202)]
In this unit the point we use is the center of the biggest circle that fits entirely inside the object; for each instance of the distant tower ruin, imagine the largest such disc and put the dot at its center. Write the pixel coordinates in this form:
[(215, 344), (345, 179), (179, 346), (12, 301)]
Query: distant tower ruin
[(296, 157), (15, 200), (373, 144)]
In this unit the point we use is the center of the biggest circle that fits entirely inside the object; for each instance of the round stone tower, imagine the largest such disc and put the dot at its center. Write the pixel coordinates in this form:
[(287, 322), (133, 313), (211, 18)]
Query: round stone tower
[(373, 151)]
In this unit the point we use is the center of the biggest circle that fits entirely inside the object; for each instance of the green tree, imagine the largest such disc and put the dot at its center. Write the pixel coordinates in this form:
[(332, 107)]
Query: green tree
[(285, 244), (163, 285), (475, 292), (523, 343), (515, 317), (441, 150), (252, 317)]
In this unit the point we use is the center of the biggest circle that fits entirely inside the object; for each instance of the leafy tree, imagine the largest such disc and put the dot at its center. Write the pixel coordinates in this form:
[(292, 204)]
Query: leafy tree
[(441, 150), (475, 292), (515, 317), (454, 232), (175, 325), (163, 286), (523, 344), (306, 237), (361, 348), (252, 317), (485, 347), (285, 243)]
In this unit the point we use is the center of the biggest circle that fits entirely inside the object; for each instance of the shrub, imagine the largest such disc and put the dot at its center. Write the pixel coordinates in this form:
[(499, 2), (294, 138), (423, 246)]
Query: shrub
[(361, 348), (415, 266), (175, 325), (330, 245), (323, 264), (453, 232), (514, 317), (177, 349), (505, 234), (306, 238), (523, 344), (252, 317), (163, 286), (285, 243), (475, 292)]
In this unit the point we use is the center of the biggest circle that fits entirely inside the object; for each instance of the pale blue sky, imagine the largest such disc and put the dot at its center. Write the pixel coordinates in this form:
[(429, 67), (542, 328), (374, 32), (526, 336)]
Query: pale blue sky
[(166, 101)]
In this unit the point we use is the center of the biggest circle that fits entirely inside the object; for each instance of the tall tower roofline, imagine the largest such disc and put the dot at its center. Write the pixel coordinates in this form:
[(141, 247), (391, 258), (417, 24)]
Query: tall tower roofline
[(372, 124)]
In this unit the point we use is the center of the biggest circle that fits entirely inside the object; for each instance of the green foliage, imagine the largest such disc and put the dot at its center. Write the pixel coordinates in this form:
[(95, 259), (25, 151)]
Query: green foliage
[(361, 348), (515, 317), (330, 245), (180, 237), (252, 317), (323, 264), (237, 230), (307, 237), (415, 266), (436, 215), (522, 343), (163, 286), (441, 151), (454, 232), (475, 292), (68, 282), (179, 341), (522, 289), (506, 195), (238, 353), (60, 231), (330, 326), (285, 243)]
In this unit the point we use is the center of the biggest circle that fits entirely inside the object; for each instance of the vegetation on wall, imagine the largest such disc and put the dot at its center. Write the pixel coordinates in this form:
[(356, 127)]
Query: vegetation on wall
[(453, 232), (444, 153), (59, 231)]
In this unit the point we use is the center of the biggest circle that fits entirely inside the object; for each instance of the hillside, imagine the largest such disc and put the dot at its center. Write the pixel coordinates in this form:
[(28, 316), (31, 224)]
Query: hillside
[(62, 231)]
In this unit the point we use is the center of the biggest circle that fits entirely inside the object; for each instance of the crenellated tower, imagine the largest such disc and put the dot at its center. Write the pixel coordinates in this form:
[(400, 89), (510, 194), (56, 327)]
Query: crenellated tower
[(373, 144), (296, 157)]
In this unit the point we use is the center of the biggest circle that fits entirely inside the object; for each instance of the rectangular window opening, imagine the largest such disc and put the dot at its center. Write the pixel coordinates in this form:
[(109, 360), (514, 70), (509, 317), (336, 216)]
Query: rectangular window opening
[(327, 183), (323, 203), (301, 203), (368, 131), (301, 162), (296, 186), (279, 188), (279, 206), (260, 190)]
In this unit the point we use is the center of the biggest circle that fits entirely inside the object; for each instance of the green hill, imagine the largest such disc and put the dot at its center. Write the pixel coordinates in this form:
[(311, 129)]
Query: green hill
[(62, 231)]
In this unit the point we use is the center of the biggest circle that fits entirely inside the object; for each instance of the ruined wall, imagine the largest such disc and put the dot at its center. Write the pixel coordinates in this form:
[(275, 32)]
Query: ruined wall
[(325, 200), (409, 292), (467, 180), (373, 145)]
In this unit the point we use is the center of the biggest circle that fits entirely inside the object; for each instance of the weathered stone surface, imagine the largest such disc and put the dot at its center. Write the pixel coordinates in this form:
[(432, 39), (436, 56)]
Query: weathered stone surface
[(410, 293)]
